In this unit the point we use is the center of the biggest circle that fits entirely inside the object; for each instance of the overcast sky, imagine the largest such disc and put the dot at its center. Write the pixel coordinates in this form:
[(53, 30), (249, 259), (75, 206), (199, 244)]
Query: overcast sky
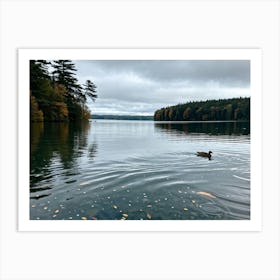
[(139, 87)]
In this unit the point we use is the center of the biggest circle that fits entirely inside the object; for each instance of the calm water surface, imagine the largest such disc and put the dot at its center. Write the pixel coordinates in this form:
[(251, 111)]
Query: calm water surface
[(139, 170)]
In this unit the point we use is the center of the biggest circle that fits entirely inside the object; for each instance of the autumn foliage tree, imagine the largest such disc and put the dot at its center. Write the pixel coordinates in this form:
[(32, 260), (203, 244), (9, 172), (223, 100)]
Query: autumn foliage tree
[(57, 96), (36, 115)]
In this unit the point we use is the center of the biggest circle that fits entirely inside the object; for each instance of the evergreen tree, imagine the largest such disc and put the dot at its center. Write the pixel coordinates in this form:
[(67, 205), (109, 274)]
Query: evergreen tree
[(90, 90), (65, 74), (38, 74)]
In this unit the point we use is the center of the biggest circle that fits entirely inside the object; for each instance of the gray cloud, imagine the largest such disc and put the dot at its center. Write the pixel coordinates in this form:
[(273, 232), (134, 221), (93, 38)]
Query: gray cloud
[(141, 87)]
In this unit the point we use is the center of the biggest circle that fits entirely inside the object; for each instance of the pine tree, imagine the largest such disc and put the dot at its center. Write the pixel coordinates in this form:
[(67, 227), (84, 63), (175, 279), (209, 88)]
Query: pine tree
[(65, 74), (38, 75), (90, 90)]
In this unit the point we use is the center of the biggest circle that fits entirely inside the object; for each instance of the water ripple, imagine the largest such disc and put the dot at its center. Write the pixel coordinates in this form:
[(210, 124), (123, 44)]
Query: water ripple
[(169, 182)]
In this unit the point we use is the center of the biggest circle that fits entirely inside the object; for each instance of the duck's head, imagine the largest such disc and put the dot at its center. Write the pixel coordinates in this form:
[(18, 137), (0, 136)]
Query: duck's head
[(210, 152)]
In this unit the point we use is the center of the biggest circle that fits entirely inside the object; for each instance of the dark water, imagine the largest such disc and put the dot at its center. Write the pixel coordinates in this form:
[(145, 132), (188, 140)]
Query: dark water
[(139, 170)]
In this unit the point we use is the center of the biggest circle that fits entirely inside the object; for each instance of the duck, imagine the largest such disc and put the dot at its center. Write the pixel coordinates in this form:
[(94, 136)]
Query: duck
[(204, 154)]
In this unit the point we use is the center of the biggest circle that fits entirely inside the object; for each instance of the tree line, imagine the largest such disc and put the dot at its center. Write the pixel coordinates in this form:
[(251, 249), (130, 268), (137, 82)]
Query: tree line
[(55, 94), (211, 110), (122, 117)]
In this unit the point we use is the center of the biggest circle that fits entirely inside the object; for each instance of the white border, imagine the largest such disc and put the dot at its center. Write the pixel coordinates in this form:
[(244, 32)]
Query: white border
[(254, 55)]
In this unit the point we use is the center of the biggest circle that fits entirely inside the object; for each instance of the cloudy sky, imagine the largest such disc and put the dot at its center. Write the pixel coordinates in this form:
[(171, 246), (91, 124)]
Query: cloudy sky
[(139, 87)]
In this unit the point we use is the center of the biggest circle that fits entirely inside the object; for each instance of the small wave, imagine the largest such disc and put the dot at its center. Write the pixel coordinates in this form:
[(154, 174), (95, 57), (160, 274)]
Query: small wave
[(40, 196), (39, 189), (211, 209), (241, 178), (237, 186), (234, 200)]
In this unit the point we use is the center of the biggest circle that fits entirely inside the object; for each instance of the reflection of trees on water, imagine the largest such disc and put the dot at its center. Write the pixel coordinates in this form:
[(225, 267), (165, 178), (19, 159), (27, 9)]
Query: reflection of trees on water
[(211, 128), (58, 142), (92, 150)]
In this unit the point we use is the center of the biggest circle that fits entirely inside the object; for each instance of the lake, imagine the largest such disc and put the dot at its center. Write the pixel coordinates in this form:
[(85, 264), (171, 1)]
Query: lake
[(114, 169)]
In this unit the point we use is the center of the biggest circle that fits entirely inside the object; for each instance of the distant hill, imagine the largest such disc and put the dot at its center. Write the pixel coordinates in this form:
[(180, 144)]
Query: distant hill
[(122, 117), (234, 109)]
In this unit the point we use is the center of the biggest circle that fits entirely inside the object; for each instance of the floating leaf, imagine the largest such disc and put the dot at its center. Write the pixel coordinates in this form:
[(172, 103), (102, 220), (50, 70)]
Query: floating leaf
[(125, 215), (206, 194), (115, 206), (33, 205), (56, 211), (186, 209), (46, 207), (149, 216), (84, 218), (94, 218), (193, 201)]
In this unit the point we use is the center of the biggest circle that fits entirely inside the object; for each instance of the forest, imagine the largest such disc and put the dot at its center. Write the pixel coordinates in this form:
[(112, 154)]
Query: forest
[(234, 109), (55, 94)]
